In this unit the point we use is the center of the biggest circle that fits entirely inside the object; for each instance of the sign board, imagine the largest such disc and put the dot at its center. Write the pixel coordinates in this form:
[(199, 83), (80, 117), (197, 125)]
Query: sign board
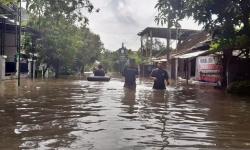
[(209, 69)]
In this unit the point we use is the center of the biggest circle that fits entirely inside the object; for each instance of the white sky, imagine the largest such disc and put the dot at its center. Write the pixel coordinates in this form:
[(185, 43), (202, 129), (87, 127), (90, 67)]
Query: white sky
[(120, 21)]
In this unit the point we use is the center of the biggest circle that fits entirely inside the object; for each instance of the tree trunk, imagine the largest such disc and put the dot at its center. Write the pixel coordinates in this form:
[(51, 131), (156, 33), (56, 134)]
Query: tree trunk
[(57, 68), (247, 53), (44, 71), (82, 70)]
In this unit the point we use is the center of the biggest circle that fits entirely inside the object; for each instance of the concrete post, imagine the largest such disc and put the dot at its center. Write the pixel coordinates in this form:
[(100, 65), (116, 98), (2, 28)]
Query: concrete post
[(142, 46), (46, 74), (176, 69), (189, 68), (34, 69), (17, 68), (197, 69), (151, 44), (168, 69), (2, 66), (29, 68), (43, 72)]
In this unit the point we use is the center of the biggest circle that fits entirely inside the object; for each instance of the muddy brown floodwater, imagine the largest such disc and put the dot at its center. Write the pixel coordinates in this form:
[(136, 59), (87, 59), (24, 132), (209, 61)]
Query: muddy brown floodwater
[(79, 115)]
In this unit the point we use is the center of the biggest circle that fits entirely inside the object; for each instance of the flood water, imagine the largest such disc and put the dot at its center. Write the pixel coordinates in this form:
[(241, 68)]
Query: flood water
[(79, 115)]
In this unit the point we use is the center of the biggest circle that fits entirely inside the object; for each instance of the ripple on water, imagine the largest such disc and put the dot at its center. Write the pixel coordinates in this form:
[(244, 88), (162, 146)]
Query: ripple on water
[(66, 114)]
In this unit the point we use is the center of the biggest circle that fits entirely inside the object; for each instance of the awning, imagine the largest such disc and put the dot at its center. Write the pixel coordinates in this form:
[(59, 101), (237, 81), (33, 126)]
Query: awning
[(191, 55), (164, 33), (160, 60)]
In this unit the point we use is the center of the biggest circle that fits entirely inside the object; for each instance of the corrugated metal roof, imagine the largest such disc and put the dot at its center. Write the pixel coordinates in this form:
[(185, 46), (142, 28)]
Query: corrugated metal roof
[(180, 34), (8, 12), (191, 55), (194, 41), (160, 60)]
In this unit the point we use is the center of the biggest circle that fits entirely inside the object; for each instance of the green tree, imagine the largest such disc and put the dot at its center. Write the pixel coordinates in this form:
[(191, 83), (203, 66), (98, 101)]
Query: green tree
[(65, 47), (70, 9), (227, 20), (89, 47), (9, 2), (170, 12), (136, 55), (110, 60)]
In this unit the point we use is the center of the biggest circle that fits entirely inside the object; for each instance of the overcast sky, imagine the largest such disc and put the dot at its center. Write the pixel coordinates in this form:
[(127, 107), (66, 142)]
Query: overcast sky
[(120, 21)]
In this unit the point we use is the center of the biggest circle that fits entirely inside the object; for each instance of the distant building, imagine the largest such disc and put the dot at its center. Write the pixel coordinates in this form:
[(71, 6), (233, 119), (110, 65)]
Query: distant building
[(147, 37), (10, 42), (193, 60)]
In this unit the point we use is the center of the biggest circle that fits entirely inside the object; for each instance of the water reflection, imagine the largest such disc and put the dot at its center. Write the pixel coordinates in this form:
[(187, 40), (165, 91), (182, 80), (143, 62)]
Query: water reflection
[(129, 97), (159, 96), (76, 114)]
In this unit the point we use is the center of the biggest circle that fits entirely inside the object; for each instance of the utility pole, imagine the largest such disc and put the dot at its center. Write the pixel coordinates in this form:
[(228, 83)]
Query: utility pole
[(19, 41), (151, 44), (168, 38), (168, 46)]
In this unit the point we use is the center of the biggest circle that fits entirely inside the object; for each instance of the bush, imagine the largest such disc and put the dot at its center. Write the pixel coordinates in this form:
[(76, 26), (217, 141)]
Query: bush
[(240, 88)]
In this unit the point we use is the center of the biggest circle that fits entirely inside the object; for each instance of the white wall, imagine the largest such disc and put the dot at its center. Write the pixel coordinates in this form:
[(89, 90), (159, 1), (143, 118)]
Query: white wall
[(10, 47)]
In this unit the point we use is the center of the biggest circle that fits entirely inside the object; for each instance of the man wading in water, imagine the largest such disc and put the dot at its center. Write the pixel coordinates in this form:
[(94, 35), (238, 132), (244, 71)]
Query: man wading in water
[(159, 75), (130, 73), (99, 71)]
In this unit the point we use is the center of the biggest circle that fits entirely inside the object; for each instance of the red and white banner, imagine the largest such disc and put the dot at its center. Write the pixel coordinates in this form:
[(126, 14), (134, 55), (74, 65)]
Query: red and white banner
[(208, 69)]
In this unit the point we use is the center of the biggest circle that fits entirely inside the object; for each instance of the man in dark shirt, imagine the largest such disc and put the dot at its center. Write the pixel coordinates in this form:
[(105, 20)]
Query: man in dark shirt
[(160, 76), (130, 74), (99, 71)]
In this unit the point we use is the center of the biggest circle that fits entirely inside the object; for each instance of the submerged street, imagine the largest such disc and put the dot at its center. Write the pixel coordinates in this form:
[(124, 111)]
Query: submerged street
[(54, 53), (77, 114)]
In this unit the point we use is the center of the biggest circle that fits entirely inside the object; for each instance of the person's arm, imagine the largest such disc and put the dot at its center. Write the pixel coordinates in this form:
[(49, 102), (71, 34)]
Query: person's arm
[(152, 75), (103, 72), (124, 71)]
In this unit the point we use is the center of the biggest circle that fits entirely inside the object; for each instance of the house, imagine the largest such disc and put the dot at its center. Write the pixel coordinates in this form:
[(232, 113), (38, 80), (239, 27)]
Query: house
[(9, 41), (193, 60), (147, 37), (31, 60), (10, 44)]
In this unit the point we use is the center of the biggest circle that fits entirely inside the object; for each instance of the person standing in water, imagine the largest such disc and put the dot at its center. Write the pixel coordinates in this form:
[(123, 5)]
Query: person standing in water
[(130, 73), (99, 71), (159, 75)]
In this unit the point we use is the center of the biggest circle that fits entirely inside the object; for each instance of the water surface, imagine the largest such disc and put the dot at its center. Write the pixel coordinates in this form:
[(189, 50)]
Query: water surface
[(77, 114)]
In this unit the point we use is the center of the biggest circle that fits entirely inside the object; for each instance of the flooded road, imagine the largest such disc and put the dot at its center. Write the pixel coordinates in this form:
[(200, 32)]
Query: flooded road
[(79, 115)]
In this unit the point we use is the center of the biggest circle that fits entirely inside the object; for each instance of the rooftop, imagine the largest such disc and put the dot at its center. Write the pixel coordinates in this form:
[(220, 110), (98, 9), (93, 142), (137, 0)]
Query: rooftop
[(176, 34), (8, 13), (194, 40)]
